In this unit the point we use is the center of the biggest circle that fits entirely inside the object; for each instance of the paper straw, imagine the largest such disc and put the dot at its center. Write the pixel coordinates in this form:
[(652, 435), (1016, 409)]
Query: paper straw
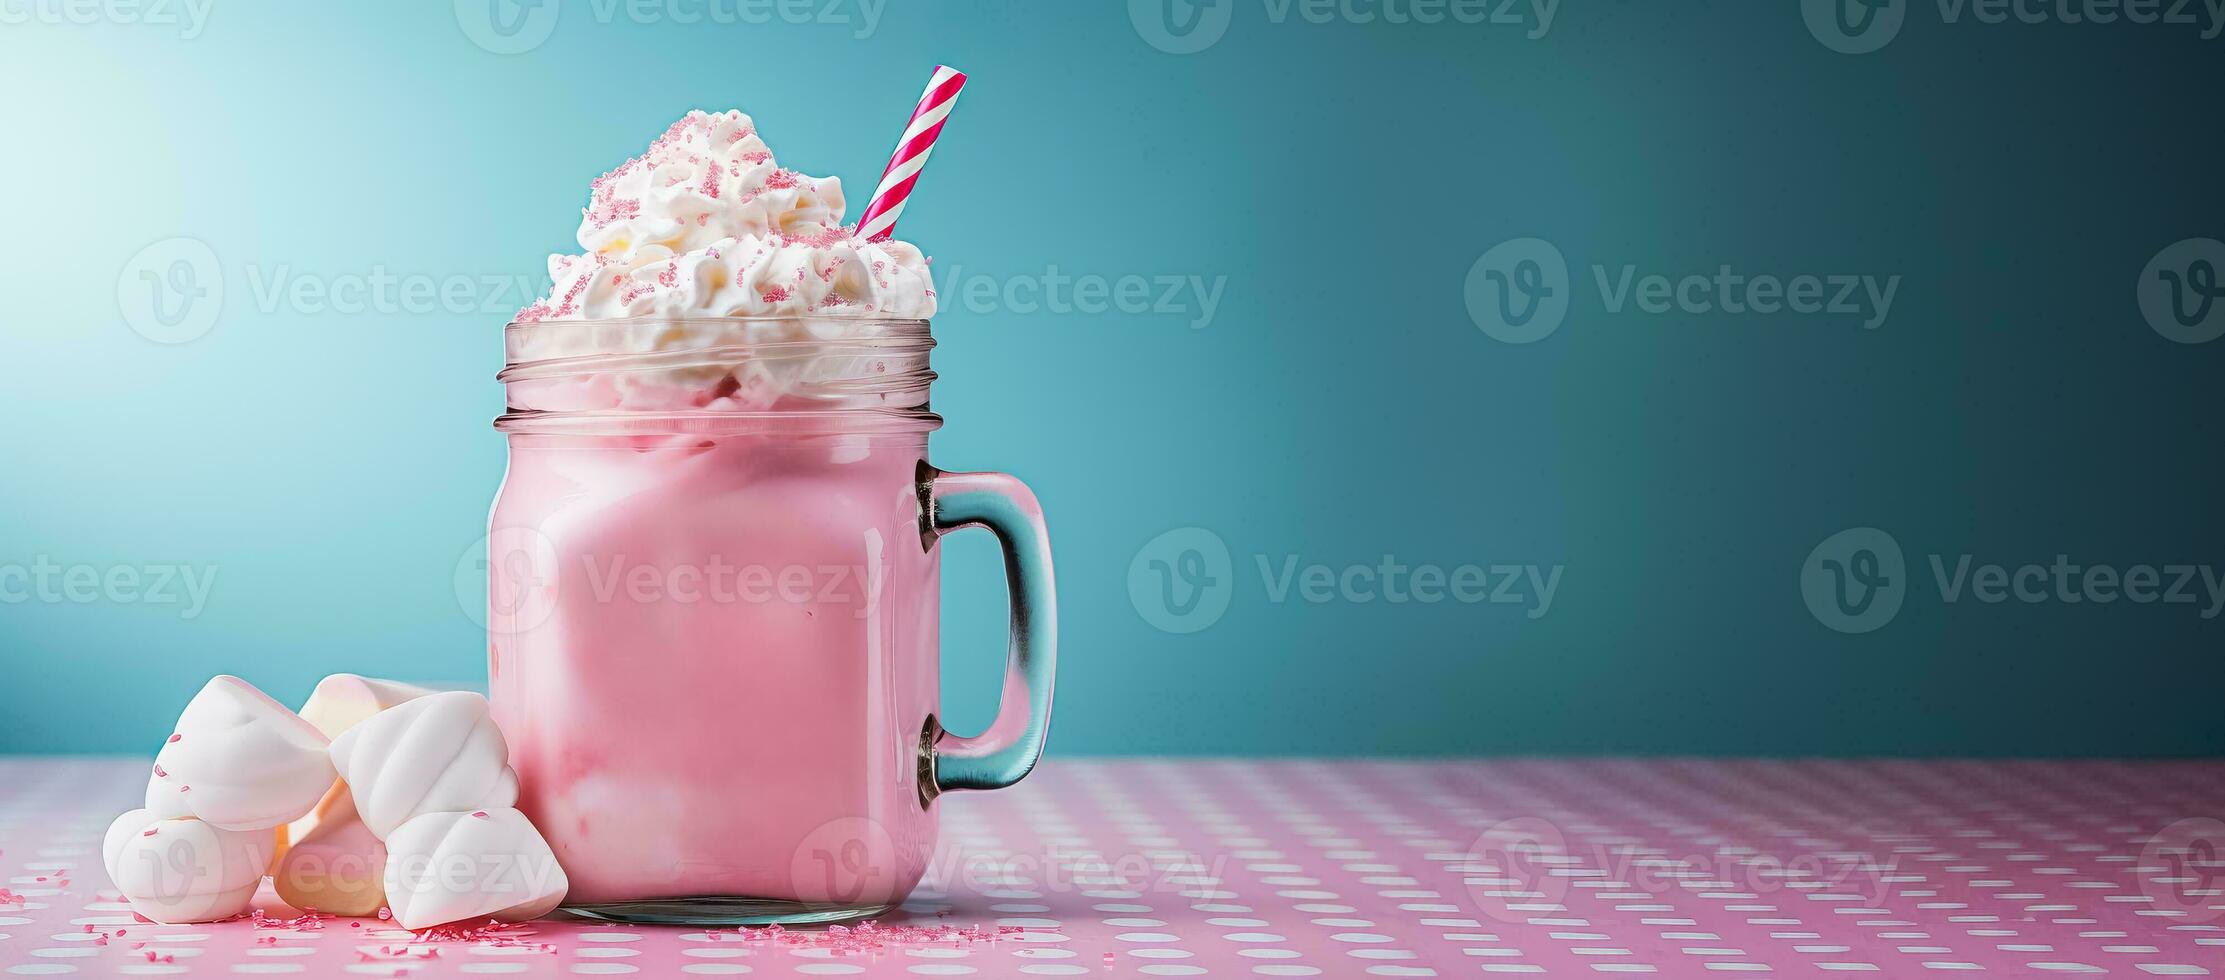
[(879, 220)]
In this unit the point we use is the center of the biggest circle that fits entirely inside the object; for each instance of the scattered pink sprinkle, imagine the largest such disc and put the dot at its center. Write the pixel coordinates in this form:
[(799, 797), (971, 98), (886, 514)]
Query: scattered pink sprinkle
[(491, 934), (867, 937), (774, 294), (149, 832), (781, 179), (159, 773), (174, 736), (10, 898), (309, 921), (481, 814)]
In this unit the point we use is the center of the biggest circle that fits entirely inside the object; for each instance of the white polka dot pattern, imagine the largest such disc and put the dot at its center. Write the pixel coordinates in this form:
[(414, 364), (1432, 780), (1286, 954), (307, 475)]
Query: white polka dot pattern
[(1154, 868)]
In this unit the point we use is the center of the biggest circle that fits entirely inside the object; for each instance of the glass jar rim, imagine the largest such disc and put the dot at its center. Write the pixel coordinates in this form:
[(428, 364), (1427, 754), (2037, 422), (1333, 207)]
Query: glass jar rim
[(922, 323), (661, 369)]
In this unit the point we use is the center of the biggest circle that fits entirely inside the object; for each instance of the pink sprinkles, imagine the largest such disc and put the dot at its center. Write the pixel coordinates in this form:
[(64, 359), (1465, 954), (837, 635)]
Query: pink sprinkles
[(867, 937)]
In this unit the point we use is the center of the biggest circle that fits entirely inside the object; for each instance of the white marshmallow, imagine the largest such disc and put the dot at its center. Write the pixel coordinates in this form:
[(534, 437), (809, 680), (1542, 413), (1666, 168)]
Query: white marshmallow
[(239, 761), (340, 702), (337, 867), (343, 701), (454, 867), (184, 870), (438, 753)]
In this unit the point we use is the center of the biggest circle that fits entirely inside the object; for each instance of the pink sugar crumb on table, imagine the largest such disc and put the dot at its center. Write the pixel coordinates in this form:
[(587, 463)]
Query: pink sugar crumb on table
[(310, 921), (493, 934), (867, 937)]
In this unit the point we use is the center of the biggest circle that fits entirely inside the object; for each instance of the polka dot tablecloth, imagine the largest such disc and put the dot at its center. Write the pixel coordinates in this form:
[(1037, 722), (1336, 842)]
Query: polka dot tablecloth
[(1349, 869)]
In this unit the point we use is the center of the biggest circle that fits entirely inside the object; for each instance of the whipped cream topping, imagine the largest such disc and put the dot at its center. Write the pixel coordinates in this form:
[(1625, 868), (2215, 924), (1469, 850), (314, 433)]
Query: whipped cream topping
[(706, 223)]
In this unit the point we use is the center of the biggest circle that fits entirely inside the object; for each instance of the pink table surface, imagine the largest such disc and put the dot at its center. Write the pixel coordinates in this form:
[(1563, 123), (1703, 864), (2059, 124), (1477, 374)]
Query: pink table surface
[(1346, 869)]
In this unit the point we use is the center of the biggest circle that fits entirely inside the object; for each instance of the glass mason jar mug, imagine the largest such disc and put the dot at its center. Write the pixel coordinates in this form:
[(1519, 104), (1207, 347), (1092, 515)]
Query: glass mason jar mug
[(713, 591)]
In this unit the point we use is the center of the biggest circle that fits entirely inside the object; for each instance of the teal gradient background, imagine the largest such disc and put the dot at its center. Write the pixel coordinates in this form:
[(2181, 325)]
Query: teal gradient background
[(1340, 404)]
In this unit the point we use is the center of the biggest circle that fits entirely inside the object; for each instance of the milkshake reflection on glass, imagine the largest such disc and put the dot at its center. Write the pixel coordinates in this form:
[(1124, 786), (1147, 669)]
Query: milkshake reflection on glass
[(713, 588)]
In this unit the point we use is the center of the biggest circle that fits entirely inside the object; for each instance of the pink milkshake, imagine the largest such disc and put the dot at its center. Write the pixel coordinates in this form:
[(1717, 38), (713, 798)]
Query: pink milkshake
[(713, 579)]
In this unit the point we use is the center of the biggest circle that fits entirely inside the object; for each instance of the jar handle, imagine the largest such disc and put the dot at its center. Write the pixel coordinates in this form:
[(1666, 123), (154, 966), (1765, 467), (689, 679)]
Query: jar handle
[(1009, 748)]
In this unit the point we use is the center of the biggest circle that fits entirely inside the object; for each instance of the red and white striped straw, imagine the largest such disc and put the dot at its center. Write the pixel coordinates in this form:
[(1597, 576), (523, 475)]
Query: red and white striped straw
[(879, 220)]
